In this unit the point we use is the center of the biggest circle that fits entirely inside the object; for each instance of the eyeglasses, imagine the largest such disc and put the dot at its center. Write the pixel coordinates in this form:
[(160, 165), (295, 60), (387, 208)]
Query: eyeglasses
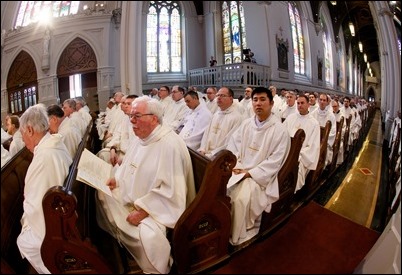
[(222, 95), (138, 116)]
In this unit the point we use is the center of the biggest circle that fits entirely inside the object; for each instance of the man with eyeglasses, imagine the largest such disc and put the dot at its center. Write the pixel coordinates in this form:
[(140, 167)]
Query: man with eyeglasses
[(224, 122), (176, 111), (151, 189)]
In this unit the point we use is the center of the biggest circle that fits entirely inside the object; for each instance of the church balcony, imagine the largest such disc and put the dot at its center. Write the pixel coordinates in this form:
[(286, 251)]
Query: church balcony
[(236, 76)]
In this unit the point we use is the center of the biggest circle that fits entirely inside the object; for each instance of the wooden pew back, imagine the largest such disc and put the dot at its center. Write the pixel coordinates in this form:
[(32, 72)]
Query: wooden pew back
[(313, 179), (287, 179), (336, 146), (12, 197)]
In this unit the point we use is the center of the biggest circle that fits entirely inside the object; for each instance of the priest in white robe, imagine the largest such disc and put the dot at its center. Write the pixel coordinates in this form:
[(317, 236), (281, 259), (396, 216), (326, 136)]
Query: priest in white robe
[(323, 114), (58, 123), (261, 146), (151, 189), (13, 125), (49, 167), (224, 122), (196, 120), (310, 151)]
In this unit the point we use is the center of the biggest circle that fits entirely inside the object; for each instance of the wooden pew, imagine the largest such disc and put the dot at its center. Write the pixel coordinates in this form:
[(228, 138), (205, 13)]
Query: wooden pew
[(12, 197), (287, 179), (335, 148), (200, 238), (314, 179)]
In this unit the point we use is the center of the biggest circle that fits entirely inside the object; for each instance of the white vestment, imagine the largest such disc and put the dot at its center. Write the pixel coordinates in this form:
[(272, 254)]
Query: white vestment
[(4, 136), (120, 140), (212, 105), (71, 136), (310, 151), (166, 102), (17, 144), (218, 132), (5, 156), (262, 151), (287, 110), (174, 114), (84, 112), (247, 105), (322, 116), (78, 122), (156, 175), (49, 167), (338, 117), (195, 123)]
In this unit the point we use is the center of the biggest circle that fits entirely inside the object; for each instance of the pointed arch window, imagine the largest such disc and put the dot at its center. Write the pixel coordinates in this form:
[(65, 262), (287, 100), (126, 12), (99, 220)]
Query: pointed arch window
[(164, 41), (328, 58), (234, 31), (297, 39), (33, 11)]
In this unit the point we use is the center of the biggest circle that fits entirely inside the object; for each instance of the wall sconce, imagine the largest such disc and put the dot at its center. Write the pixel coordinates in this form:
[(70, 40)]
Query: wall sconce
[(365, 58), (360, 46), (352, 28)]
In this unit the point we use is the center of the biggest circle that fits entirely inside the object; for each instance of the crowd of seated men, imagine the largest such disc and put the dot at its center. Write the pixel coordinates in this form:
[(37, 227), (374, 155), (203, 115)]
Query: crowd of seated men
[(146, 139)]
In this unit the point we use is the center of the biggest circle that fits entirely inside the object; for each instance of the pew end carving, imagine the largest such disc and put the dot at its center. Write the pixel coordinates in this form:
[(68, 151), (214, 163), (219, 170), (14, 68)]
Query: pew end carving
[(201, 236)]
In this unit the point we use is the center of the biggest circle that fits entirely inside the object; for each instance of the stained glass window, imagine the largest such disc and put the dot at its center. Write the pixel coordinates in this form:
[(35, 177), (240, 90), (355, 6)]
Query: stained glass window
[(234, 31), (164, 37), (32, 11), (297, 39), (328, 58)]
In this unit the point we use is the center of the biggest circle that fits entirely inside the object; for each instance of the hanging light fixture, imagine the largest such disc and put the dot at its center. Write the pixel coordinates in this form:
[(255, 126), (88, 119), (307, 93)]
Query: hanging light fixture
[(360, 46), (368, 65), (351, 28), (365, 57), (333, 3)]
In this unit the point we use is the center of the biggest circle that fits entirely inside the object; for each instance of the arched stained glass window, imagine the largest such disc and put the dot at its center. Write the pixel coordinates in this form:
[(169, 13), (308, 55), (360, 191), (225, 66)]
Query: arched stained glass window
[(32, 11), (328, 58), (164, 41), (234, 31), (297, 39)]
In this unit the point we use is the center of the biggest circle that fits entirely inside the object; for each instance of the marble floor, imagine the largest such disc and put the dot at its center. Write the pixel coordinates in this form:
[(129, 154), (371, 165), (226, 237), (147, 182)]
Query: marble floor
[(354, 189)]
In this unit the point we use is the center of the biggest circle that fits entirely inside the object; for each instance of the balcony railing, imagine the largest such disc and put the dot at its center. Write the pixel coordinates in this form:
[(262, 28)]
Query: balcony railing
[(231, 75)]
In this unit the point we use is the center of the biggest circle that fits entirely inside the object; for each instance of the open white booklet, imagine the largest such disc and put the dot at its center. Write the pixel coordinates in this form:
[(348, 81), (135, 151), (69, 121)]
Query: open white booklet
[(95, 172), (235, 178)]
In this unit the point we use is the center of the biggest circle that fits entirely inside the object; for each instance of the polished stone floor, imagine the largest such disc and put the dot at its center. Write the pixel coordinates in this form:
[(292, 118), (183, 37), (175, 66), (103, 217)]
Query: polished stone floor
[(353, 191)]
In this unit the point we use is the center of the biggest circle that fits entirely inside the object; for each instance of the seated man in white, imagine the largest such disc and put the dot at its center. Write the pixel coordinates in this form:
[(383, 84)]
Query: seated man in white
[(151, 189), (290, 107), (83, 109), (13, 128), (70, 111), (49, 167), (224, 122), (261, 146), (117, 147), (322, 114), (196, 120), (175, 112), (58, 123), (211, 99), (310, 150)]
